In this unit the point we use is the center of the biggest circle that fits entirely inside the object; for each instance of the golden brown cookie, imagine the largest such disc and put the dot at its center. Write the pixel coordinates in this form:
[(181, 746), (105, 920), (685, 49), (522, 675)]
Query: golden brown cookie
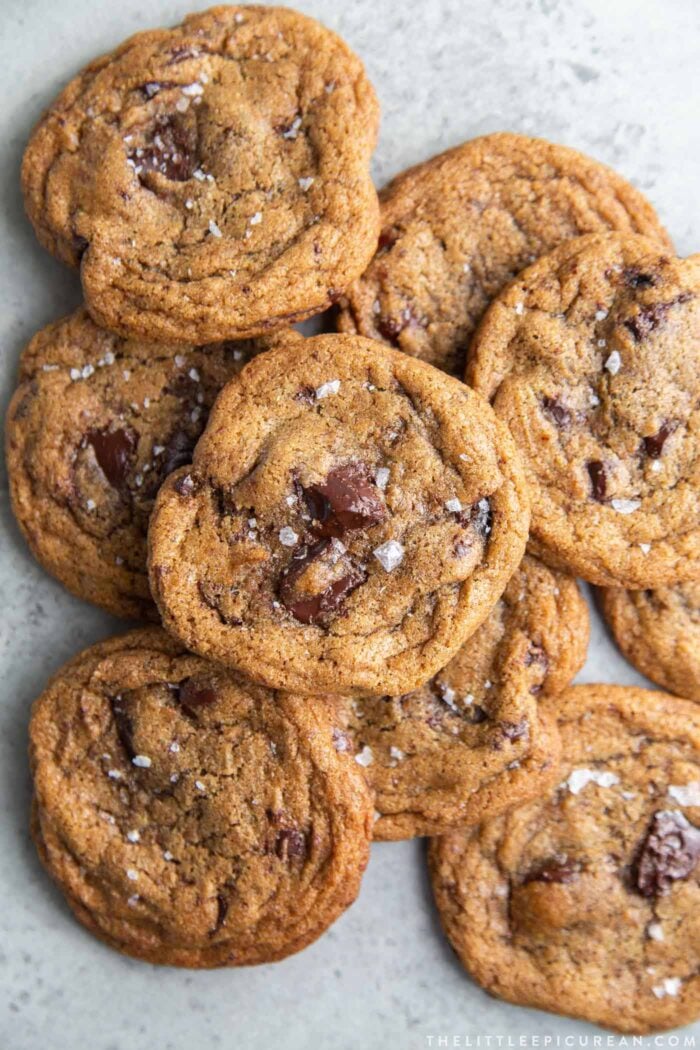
[(472, 741), (351, 517), (586, 902), (659, 632), (457, 228), (189, 817), (592, 358), (95, 425), (211, 180)]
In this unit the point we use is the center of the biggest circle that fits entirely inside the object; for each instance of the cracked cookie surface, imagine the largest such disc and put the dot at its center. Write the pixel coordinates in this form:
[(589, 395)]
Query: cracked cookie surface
[(211, 180), (586, 902), (189, 817), (592, 358), (350, 518), (659, 632), (95, 425), (457, 228), (472, 741)]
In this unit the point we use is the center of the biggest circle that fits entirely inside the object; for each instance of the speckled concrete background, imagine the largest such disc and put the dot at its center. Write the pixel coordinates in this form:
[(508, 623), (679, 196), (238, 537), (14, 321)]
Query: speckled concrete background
[(616, 78)]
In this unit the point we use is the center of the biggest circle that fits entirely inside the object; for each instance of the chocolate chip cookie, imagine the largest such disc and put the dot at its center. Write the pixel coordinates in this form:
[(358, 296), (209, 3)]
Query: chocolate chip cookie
[(210, 180), (95, 425), (190, 817), (585, 902), (659, 632), (457, 228), (592, 358), (472, 741), (350, 518)]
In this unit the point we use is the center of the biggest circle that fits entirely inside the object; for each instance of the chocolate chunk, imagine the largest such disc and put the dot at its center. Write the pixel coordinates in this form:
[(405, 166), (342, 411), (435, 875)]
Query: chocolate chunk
[(599, 480), (341, 741), (390, 329), (214, 596), (481, 517), (181, 52), (171, 152), (307, 395), (536, 655), (114, 451), (123, 724), (285, 840), (557, 410), (81, 245), (323, 561), (222, 906), (669, 852), (152, 87), (652, 317), (387, 239), (654, 445), (558, 871), (290, 844), (475, 714), (634, 278), (177, 452), (348, 499), (514, 730), (194, 694), (187, 485)]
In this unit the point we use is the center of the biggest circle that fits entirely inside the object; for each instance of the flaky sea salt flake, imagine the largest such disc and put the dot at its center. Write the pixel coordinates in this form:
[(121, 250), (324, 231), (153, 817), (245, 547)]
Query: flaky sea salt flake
[(389, 555)]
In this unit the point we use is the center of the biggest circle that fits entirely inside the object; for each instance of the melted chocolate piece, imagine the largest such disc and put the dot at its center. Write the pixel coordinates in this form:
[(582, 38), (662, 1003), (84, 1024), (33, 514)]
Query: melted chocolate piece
[(171, 152), (653, 446), (348, 499), (319, 608), (599, 480), (669, 852), (114, 451), (123, 724), (652, 317), (557, 871), (557, 411), (194, 694)]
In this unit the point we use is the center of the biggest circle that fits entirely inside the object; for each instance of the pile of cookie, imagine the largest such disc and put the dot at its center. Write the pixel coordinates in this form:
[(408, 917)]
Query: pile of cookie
[(357, 550)]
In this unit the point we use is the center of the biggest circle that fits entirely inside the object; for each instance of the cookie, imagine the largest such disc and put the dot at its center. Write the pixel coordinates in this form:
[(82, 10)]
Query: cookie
[(189, 817), (457, 228), (471, 742), (351, 517), (210, 180), (592, 358), (95, 425), (659, 632), (585, 902)]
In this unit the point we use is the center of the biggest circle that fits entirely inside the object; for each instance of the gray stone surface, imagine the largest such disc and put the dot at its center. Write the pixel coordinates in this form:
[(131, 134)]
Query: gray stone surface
[(615, 78)]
